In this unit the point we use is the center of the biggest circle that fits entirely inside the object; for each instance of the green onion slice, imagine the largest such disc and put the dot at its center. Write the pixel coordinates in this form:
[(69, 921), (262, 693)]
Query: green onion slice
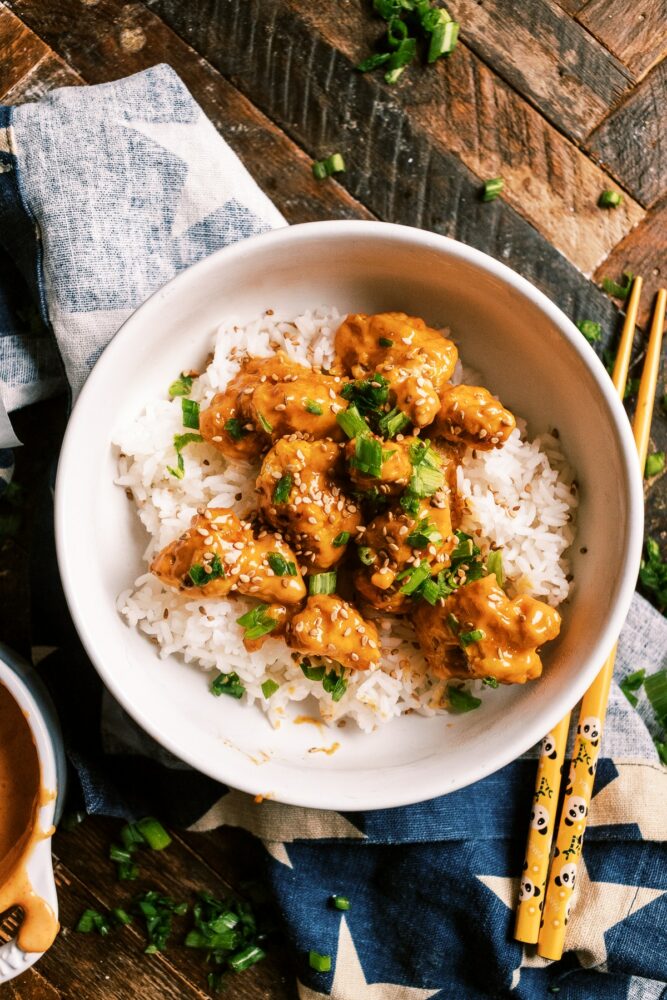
[(592, 331), (340, 902), (257, 623), (631, 683), (322, 583), (321, 963), (610, 199), (269, 687), (280, 565), (467, 638), (427, 476), (368, 395), (494, 564), (372, 62), (492, 188), (352, 422), (341, 539), (190, 410), (490, 682), (313, 407), (200, 574), (416, 576), (283, 488), (423, 534), (385, 342), (229, 683), (366, 555), (153, 833), (460, 700), (265, 423), (312, 673), (393, 423), (655, 686), (655, 464), (182, 385), (235, 429)]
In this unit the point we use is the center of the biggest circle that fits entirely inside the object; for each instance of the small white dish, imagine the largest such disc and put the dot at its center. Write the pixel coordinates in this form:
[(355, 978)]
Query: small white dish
[(527, 351)]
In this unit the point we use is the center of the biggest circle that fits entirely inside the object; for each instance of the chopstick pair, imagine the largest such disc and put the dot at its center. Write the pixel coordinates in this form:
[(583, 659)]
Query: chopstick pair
[(547, 882)]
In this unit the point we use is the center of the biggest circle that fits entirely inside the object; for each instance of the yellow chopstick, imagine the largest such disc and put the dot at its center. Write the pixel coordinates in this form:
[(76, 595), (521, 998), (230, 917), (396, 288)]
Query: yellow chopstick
[(549, 770), (572, 825)]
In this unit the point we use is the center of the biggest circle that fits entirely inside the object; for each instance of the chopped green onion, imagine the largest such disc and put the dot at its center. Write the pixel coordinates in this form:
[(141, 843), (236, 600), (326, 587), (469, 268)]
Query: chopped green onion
[(372, 62), (655, 464), (131, 836), (366, 555), (467, 638), (494, 564), (610, 199), (312, 673), (592, 331), (321, 963), (653, 572), (385, 342), (283, 488), (322, 583), (427, 476), (182, 385), (244, 959), (335, 684), (630, 684), (444, 37), (269, 687), (313, 407), (661, 747), (190, 410), (368, 395), (121, 916), (257, 623), (334, 164), (490, 682), (153, 832), (340, 902), (119, 853), (235, 429), (341, 539), (433, 589), (265, 423), (280, 565), (202, 573), (393, 423), (180, 441), (424, 534), (655, 686), (404, 53), (229, 683), (397, 31), (618, 291), (410, 503), (352, 422), (158, 912), (492, 189), (453, 623), (369, 456), (416, 576), (88, 921), (460, 700), (127, 871)]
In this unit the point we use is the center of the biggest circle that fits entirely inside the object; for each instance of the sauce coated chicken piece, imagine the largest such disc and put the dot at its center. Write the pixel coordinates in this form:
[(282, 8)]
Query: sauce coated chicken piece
[(395, 541), (512, 633), (269, 399), (219, 553), (329, 626), (416, 360), (395, 470), (299, 494), (469, 413)]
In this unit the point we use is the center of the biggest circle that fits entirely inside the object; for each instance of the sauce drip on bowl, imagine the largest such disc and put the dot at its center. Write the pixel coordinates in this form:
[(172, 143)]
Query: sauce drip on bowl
[(21, 797)]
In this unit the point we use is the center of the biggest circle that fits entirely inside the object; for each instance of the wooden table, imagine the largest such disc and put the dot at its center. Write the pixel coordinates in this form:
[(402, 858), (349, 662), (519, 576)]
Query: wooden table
[(562, 98)]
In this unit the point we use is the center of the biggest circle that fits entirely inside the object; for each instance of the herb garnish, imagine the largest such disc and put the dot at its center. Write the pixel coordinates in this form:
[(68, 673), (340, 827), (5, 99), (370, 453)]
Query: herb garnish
[(283, 488), (257, 623), (427, 475), (630, 684), (618, 291), (269, 687), (460, 699), (407, 19), (368, 394), (235, 429), (180, 441), (492, 189), (158, 912), (202, 573), (182, 385), (280, 565), (341, 539), (369, 456), (610, 199), (334, 164), (190, 409), (494, 564), (655, 464), (265, 423), (313, 407), (393, 423), (653, 573), (228, 684), (592, 331), (423, 534), (322, 583)]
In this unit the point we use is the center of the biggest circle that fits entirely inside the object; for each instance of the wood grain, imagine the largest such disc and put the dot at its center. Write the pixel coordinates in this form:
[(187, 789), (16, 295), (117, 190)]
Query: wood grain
[(635, 32), (111, 39), (457, 110), (30, 986), (48, 72), (632, 142), (21, 49), (547, 56)]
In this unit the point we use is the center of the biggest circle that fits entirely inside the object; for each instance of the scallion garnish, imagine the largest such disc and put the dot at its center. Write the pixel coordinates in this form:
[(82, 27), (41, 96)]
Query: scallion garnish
[(400, 58), (335, 684), (321, 963), (280, 565), (182, 385), (154, 833), (655, 464), (631, 683), (385, 342), (393, 423), (121, 916), (229, 683), (322, 583), (340, 902), (265, 423), (592, 331), (269, 687), (492, 188), (444, 35), (369, 456), (610, 199), (334, 164), (312, 673), (180, 441), (427, 476), (494, 564), (372, 62), (414, 578), (119, 853), (312, 407), (368, 395), (257, 623), (283, 488), (460, 700), (190, 410), (92, 920), (618, 291), (235, 429), (244, 959), (653, 573), (467, 638), (341, 539), (366, 555), (410, 503), (352, 422), (131, 836), (158, 912), (491, 682), (655, 686), (202, 573), (423, 534)]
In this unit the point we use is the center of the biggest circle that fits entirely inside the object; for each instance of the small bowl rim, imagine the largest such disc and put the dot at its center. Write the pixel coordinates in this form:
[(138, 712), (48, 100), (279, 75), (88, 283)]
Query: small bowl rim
[(407, 236)]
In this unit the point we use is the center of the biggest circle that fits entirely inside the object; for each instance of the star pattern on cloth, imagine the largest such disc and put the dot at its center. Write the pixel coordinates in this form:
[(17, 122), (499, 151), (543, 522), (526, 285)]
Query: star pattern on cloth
[(636, 796), (215, 175), (596, 908), (350, 983)]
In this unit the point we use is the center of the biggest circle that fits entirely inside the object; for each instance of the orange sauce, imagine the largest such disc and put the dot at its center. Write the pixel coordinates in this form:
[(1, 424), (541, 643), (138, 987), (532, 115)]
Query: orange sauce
[(327, 750), (303, 720), (21, 797)]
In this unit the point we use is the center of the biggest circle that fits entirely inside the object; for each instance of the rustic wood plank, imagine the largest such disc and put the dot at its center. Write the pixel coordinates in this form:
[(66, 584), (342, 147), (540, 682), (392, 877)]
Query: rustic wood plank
[(643, 251), (48, 72), (111, 39), (29, 986), (635, 32), (300, 52), (547, 56), (632, 142), (21, 49), (179, 873), (571, 6)]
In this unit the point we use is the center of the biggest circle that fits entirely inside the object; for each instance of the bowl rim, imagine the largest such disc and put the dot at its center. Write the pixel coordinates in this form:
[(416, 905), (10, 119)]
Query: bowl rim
[(283, 790)]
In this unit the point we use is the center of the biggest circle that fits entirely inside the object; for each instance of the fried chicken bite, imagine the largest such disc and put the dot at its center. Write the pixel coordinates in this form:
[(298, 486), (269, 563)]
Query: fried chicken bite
[(329, 626)]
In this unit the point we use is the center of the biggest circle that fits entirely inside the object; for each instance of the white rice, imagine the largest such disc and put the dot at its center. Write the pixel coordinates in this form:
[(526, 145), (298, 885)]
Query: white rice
[(520, 497)]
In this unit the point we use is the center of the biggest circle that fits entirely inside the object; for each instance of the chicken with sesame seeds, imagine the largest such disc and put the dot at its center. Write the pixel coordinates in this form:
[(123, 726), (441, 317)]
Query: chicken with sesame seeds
[(416, 360), (219, 554), (393, 469), (395, 542), (300, 495), (479, 632), (469, 413), (329, 626), (268, 399)]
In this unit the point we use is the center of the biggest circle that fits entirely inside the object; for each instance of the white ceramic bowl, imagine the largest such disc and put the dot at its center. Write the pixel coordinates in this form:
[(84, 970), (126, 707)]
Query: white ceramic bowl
[(528, 352)]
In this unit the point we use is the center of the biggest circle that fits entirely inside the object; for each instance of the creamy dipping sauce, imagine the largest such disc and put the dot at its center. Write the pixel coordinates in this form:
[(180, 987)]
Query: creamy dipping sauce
[(21, 797)]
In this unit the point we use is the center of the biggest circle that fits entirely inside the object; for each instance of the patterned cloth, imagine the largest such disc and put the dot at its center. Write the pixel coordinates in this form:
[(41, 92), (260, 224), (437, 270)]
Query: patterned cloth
[(105, 193)]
